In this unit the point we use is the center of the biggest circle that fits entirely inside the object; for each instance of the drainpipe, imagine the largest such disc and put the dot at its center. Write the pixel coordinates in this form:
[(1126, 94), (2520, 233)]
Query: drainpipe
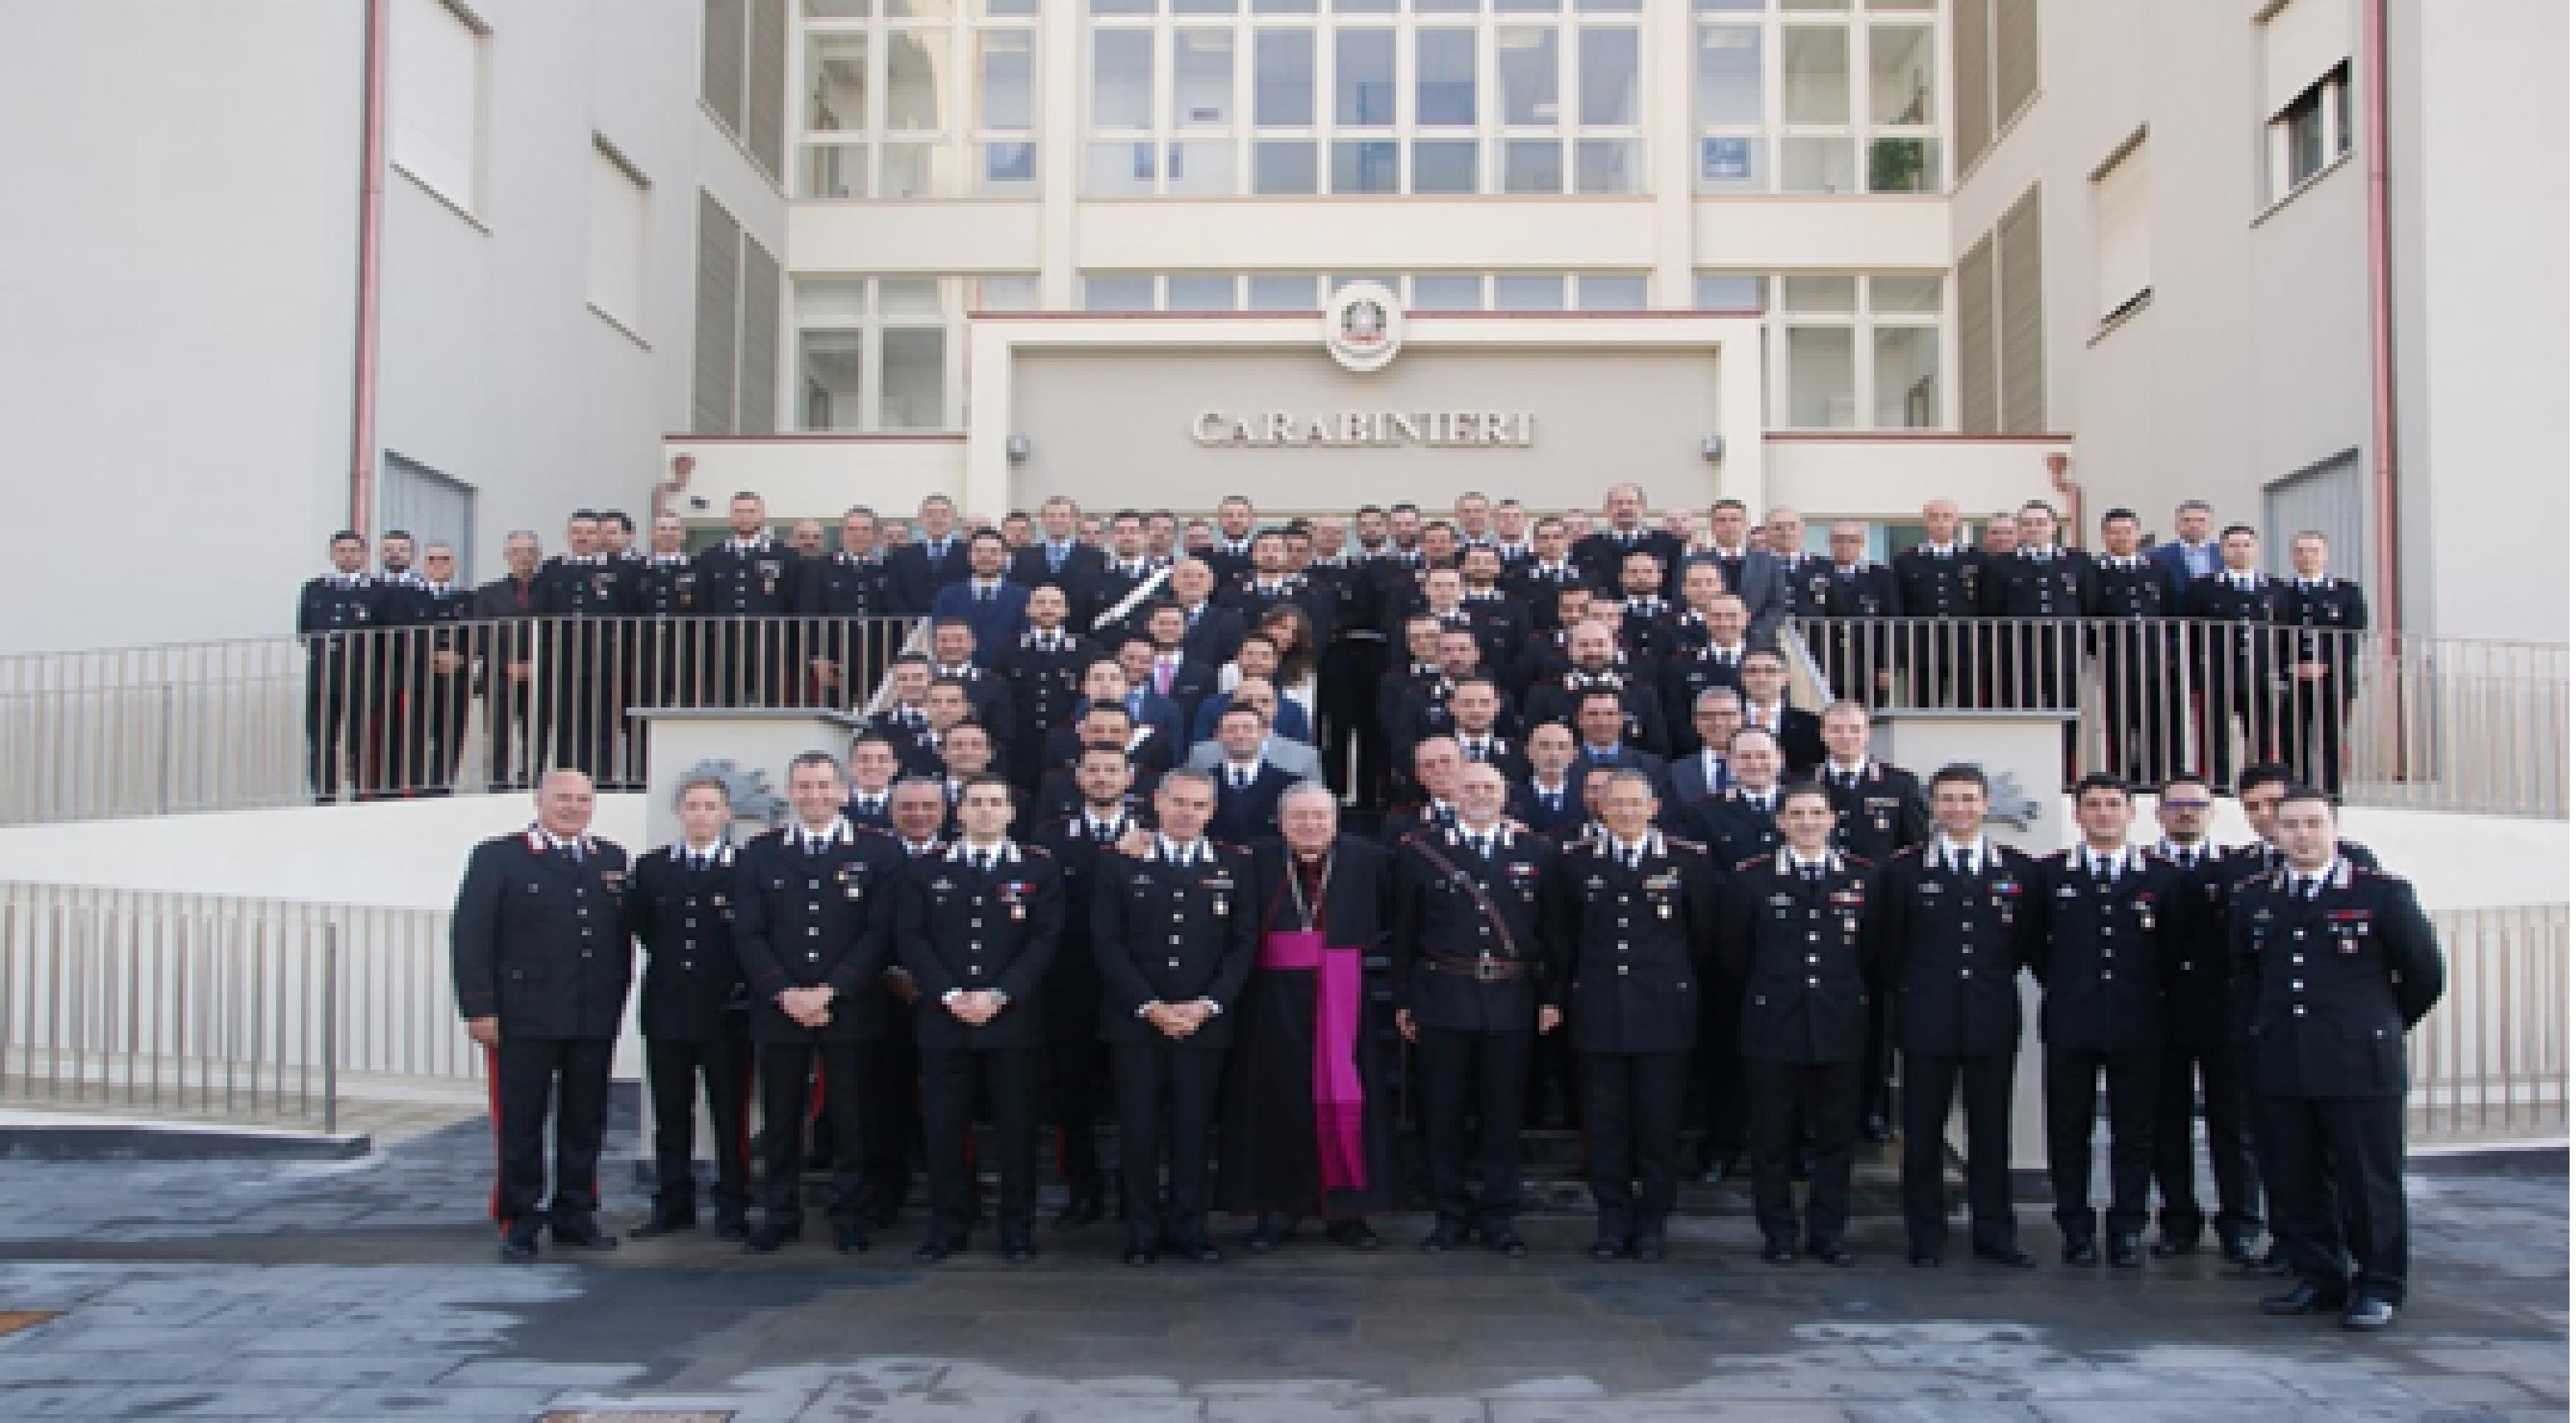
[(682, 466), (2383, 344), (371, 221), (2074, 493)]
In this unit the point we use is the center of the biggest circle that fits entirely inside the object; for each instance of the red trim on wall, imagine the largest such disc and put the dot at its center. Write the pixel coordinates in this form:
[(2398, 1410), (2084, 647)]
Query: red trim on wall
[(824, 437)]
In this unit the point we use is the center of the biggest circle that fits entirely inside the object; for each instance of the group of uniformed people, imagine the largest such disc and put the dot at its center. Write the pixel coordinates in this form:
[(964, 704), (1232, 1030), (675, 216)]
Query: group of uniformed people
[(1088, 852)]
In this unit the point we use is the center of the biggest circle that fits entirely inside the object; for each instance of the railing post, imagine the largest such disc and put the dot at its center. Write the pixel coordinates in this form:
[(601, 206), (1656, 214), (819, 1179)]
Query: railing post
[(331, 1030)]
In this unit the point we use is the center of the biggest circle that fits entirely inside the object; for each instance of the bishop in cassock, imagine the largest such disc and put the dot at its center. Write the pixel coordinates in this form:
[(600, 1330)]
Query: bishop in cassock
[(1309, 1116)]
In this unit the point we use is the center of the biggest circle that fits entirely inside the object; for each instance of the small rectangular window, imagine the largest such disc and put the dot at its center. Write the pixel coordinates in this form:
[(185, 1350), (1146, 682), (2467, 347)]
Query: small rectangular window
[(619, 224), (435, 99)]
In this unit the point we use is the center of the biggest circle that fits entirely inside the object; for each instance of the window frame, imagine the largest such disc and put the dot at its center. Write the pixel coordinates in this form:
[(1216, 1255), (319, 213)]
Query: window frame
[(955, 156)]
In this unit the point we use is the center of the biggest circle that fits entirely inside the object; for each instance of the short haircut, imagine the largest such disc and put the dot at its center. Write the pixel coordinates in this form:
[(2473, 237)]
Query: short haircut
[(1770, 653), (402, 534), (353, 536), (824, 759), (1593, 694), (864, 737), (1109, 709), (1631, 776), (1735, 504), (1711, 696), (2189, 505), (1186, 775), (2306, 795), (1742, 732), (2233, 530), (1310, 787), (1231, 712), (1805, 787), (1844, 705), (2039, 505), (2117, 512), (980, 535), (702, 781), (984, 778), (2264, 773), (1959, 773), (2100, 781), (2186, 778), (619, 517), (910, 659)]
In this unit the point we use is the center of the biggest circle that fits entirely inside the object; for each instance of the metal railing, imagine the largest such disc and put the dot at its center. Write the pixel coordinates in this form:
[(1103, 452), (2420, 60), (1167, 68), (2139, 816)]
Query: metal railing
[(2385, 719), (395, 712), (210, 1006), (2489, 1063)]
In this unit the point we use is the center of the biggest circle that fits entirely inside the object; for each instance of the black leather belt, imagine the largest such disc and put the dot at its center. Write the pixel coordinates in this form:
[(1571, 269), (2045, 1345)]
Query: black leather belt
[(1481, 970)]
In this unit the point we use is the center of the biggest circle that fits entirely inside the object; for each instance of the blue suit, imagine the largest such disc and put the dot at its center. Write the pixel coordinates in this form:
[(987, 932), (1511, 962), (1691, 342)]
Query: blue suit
[(2177, 568), (1290, 722), (1150, 708), (997, 623)]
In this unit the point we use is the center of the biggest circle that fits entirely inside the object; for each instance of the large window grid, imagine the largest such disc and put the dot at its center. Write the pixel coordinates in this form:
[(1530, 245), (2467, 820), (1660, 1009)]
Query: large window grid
[(1362, 97), (1861, 350), (880, 353), (917, 99), (1817, 96), (1419, 291)]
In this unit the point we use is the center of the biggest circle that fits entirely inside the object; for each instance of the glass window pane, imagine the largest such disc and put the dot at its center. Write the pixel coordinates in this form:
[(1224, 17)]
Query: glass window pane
[(830, 300), (1525, 58), (827, 374), (1119, 169), (1905, 291), (914, 380), (919, 9), (1202, 78), (1364, 77), (1533, 165), (1904, 165), (1447, 7), (1205, 167), (1731, 291), (1900, 74), (1275, 291), (1199, 292), (837, 9), (1122, 79), (1606, 7), (1283, 7), (1444, 166), (836, 170), (1283, 166), (1118, 293), (1015, 293), (1010, 7), (1901, 4), (1828, 293), (1009, 79), (1611, 291), (1122, 7), (1448, 292), (916, 67), (908, 296), (1444, 77), (1816, 165), (1732, 163), (1529, 291), (1608, 165), (1711, 7), (1365, 166), (1009, 169), (1820, 378), (1906, 368), (910, 170), (1815, 61), (1363, 7), (836, 82), (1730, 74), (1609, 75), (1815, 4), (1204, 7), (1283, 78), (1529, 7), (1339, 280)]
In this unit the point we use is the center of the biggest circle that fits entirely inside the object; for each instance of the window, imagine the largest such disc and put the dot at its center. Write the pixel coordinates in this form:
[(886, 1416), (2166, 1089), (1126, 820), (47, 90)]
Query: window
[(886, 353), (887, 112), (434, 507), (2120, 219), (742, 75), (1816, 96), (1994, 68), (618, 227), (2312, 132), (435, 99), (1852, 350), (1298, 291), (734, 374)]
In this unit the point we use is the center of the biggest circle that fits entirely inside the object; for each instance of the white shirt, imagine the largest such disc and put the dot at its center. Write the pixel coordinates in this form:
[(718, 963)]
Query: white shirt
[(1179, 854), (1970, 856)]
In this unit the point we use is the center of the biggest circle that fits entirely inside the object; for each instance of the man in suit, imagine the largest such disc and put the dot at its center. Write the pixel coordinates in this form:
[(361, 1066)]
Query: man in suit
[(2199, 1070), (1961, 929), (814, 908), (1500, 620), (954, 657), (580, 596), (1091, 844), (506, 649), (1636, 915), (2190, 556), (1716, 715), (2044, 589), (1043, 669), (1859, 651), (1175, 936), (1475, 715), (1257, 660), (1753, 573), (1229, 554), (872, 769), (839, 596), (2237, 659), (1125, 567), (977, 929), (996, 608), (1468, 971), (1601, 725), (1058, 555), (1599, 666), (1742, 821), (1878, 812), (1248, 787), (697, 1027), (2320, 656), (1209, 634), (1139, 668), (1294, 757), (918, 570), (1766, 707), (1536, 581), (437, 675), (1175, 673), (1604, 553), (750, 582), (2339, 963), (1936, 590), (2139, 654), (1550, 800), (541, 977)]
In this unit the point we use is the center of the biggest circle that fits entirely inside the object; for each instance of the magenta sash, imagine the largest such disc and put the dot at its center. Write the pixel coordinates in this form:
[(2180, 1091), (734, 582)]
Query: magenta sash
[(1340, 1106)]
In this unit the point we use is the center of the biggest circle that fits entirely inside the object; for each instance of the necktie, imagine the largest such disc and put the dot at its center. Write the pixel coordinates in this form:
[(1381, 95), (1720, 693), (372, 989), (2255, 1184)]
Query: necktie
[(1959, 863), (572, 851), (2101, 872), (1055, 558), (1163, 677), (1103, 834), (983, 595), (1242, 778)]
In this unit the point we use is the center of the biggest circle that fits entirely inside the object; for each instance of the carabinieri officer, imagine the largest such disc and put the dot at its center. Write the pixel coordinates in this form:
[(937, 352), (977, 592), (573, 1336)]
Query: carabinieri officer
[(541, 978)]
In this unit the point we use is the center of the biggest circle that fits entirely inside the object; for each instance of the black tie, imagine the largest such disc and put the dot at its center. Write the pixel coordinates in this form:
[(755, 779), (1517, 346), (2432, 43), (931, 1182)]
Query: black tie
[(1813, 873), (2101, 873), (1959, 863)]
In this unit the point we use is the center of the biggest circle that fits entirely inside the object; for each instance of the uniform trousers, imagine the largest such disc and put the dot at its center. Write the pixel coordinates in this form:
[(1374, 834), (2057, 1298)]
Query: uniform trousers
[(2339, 1191), (1824, 1098), (1982, 1086), (949, 1077), (2074, 1082), (528, 1075), (1167, 1094), (677, 1069), (2205, 1075), (1632, 1119), (787, 1072), (1486, 1073)]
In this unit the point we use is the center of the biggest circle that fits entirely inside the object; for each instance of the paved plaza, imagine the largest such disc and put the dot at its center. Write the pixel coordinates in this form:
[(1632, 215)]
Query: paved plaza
[(369, 1290)]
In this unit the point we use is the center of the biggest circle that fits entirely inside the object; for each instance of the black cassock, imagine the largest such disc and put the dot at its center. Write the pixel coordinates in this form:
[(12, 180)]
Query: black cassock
[(1278, 1128)]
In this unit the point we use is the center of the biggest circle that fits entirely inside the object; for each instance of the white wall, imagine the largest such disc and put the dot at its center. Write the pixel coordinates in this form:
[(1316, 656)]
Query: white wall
[(178, 277)]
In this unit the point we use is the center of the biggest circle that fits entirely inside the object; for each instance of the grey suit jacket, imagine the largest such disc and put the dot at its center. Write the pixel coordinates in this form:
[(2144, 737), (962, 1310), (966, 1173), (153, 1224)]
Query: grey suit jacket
[(1295, 757), (1765, 591)]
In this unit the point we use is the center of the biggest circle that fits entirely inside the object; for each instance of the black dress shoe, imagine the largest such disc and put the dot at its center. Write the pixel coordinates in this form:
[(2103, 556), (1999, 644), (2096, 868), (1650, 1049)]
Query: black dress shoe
[(584, 1237), (2012, 1255), (2170, 1245), (1269, 1233), (2274, 1264), (1923, 1259), (881, 1217), (1140, 1251), (1507, 1240), (1780, 1252), (661, 1224), (1875, 1129), (1201, 1252), (935, 1249), (2080, 1253), (767, 1239), (2367, 1313), (2124, 1253), (1832, 1253), (1608, 1248), (2238, 1250), (2305, 1297), (1354, 1234), (1018, 1249), (732, 1227), (519, 1246), (850, 1239), (1443, 1238), (1082, 1210), (1651, 1250)]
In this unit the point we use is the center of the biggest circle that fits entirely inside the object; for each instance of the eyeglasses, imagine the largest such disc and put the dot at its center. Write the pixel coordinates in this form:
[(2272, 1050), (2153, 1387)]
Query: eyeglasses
[(2189, 804)]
